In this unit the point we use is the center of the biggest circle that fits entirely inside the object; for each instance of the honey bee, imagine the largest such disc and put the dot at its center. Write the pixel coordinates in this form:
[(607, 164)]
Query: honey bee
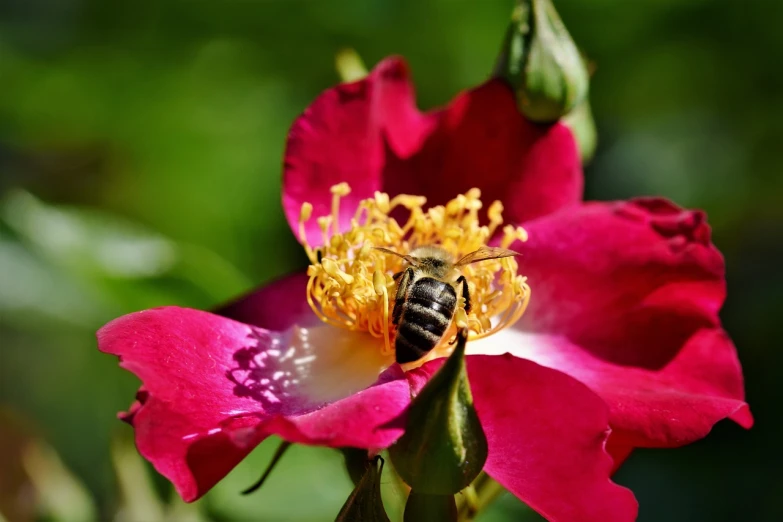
[(426, 297)]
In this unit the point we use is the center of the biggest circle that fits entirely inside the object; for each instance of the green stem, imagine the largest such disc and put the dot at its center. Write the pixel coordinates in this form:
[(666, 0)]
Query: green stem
[(478, 496), (470, 503)]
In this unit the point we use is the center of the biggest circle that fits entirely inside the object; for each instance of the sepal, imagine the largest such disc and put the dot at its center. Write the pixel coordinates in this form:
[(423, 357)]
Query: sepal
[(432, 508), (444, 447), (365, 503)]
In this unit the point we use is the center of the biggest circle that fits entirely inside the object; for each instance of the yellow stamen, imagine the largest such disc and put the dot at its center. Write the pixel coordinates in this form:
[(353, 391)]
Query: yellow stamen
[(379, 283), (350, 281), (338, 191)]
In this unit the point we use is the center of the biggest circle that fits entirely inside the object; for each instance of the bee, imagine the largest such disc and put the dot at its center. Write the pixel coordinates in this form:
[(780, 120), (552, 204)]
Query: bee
[(426, 297)]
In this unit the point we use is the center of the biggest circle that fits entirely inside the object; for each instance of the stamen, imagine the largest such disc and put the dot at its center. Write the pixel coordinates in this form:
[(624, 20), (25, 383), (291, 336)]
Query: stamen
[(304, 217), (350, 280), (379, 282), (338, 191)]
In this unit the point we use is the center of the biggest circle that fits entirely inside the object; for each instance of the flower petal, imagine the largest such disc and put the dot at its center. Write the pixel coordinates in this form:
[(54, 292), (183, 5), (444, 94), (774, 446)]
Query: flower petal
[(665, 407), (626, 296), (277, 306), (546, 435), (619, 451), (628, 281), (370, 134), (213, 388), (339, 139), (481, 140)]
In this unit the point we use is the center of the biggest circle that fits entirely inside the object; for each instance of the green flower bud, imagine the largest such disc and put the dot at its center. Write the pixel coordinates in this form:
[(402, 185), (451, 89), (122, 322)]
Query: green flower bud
[(542, 63), (432, 508), (365, 504), (443, 448), (349, 65)]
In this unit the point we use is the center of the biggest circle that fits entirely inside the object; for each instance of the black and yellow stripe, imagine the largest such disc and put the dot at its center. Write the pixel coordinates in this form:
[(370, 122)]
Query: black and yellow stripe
[(422, 318)]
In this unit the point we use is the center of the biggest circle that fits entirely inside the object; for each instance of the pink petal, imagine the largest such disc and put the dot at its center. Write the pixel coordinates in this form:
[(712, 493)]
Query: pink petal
[(214, 388), (339, 138), (274, 306), (629, 281), (619, 451), (371, 135), (546, 435), (481, 140), (626, 296), (665, 407)]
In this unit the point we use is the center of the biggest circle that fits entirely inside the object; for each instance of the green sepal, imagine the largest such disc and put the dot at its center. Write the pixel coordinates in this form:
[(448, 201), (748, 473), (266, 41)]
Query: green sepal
[(542, 63), (356, 462), (582, 126), (432, 508), (279, 452), (444, 447), (365, 503)]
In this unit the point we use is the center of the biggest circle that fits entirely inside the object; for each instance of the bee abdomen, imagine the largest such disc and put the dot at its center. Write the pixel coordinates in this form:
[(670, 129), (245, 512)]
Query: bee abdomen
[(424, 319), (414, 341)]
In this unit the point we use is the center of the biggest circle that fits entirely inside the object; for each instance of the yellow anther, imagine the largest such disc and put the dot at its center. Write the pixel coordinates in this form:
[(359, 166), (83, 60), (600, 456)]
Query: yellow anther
[(338, 191), (409, 202), (351, 280), (331, 268), (512, 234), (304, 216), (306, 212), (453, 233), (456, 204), (379, 282), (382, 200), (495, 215), (341, 189), (324, 222)]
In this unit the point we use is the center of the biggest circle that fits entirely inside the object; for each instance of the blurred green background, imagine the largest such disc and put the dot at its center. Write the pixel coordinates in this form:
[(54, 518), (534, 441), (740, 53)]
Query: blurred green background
[(140, 158)]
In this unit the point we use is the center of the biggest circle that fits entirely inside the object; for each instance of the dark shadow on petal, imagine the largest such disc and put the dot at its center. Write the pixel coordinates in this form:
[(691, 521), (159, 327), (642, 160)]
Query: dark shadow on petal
[(269, 372)]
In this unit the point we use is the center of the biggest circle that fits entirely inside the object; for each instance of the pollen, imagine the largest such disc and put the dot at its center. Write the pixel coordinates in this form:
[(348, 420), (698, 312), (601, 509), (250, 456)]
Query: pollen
[(352, 284)]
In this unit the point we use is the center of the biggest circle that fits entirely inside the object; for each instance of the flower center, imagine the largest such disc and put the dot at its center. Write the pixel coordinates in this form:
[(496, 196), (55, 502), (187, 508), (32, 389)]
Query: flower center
[(353, 282)]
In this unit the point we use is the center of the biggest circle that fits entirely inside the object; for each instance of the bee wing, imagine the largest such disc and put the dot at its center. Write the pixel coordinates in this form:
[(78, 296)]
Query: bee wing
[(409, 259), (484, 253)]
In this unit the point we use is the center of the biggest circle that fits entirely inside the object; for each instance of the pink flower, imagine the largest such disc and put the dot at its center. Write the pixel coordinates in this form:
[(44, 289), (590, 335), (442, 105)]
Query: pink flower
[(621, 345)]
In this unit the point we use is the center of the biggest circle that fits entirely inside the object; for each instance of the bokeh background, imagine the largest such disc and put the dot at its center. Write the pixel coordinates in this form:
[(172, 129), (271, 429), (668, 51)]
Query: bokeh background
[(140, 159)]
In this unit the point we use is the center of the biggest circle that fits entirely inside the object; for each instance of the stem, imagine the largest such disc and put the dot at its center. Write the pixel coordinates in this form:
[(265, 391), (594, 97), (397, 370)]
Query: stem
[(471, 502), (477, 496)]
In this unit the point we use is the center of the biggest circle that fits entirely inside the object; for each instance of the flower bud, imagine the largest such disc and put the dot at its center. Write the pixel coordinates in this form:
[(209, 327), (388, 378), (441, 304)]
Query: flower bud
[(349, 65), (440, 508), (443, 448), (365, 504), (542, 63)]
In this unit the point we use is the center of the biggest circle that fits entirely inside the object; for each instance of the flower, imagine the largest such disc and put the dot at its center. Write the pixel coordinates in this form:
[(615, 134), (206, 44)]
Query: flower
[(620, 346)]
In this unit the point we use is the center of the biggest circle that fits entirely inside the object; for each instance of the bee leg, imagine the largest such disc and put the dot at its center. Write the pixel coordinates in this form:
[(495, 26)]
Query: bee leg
[(402, 290), (465, 292)]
